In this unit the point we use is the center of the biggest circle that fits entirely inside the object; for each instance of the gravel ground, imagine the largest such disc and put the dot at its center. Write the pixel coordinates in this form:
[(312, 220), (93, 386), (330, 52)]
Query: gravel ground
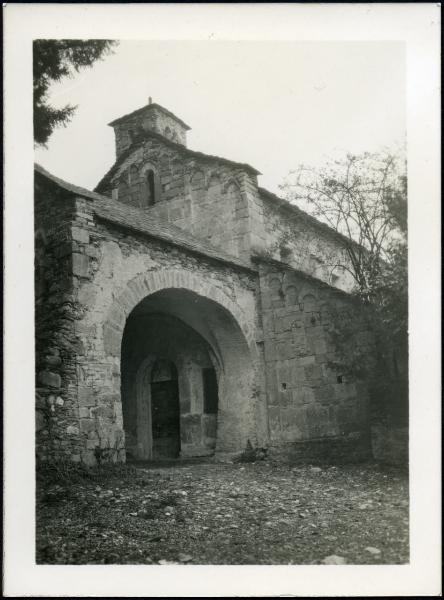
[(210, 513)]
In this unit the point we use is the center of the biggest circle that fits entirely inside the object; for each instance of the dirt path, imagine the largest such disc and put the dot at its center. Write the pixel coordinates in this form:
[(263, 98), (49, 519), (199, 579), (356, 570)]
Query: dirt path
[(226, 514)]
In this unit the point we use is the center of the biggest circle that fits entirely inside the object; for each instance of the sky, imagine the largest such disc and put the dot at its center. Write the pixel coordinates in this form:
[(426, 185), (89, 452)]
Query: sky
[(273, 105)]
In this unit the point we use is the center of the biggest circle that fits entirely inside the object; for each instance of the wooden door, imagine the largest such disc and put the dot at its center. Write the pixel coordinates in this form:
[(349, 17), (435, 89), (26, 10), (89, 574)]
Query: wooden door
[(165, 414)]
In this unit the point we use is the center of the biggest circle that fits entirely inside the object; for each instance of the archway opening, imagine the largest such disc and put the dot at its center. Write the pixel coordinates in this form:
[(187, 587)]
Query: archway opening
[(187, 383)]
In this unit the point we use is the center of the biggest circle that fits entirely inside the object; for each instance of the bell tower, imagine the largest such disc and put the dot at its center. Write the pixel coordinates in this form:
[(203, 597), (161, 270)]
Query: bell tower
[(150, 118)]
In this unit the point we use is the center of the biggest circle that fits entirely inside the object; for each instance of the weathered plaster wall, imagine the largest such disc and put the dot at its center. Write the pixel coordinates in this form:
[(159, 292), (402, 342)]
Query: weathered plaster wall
[(305, 247), (149, 336), (307, 402)]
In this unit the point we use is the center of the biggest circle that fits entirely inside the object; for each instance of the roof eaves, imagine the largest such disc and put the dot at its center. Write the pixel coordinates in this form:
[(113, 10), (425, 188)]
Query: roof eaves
[(178, 244), (104, 208), (282, 265), (69, 187), (148, 107), (139, 139), (286, 205)]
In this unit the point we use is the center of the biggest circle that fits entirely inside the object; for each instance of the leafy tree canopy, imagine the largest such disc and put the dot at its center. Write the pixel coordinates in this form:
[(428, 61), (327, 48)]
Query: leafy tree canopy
[(364, 198), (52, 61)]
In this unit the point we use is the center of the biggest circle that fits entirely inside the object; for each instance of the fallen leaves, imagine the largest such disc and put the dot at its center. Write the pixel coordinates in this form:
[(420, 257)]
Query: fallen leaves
[(226, 514)]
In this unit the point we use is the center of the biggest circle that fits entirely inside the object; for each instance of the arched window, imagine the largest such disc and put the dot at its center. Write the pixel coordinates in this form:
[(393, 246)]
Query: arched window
[(167, 132), (150, 187), (123, 190)]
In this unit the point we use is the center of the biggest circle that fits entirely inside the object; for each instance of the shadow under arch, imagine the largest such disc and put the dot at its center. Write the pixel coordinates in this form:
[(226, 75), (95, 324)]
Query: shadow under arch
[(209, 312)]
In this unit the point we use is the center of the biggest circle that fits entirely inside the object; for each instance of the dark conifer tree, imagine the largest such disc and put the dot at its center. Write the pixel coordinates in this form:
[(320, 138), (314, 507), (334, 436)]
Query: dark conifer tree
[(53, 60)]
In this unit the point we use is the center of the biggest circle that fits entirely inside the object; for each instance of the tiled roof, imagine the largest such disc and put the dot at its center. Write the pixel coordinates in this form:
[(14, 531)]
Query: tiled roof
[(140, 139), (149, 107), (142, 222)]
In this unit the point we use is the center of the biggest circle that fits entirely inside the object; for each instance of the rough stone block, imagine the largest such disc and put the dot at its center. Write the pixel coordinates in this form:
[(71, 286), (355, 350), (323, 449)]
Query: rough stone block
[(308, 395), (80, 264), (86, 396), (274, 421), (87, 425), (297, 374), (297, 396), (102, 411), (270, 350), (268, 323), (92, 251), (285, 397), (80, 235), (88, 458), (191, 429), (209, 425), (87, 294), (64, 249), (307, 360), (53, 361), (290, 419), (112, 340), (50, 379), (313, 373)]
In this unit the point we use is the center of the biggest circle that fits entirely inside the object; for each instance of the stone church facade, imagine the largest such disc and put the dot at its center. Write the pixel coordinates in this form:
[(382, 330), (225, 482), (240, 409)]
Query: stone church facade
[(184, 311)]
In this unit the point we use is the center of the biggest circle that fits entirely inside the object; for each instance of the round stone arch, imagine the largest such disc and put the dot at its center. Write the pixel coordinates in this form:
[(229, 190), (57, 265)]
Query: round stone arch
[(231, 183), (150, 198), (230, 336), (150, 165)]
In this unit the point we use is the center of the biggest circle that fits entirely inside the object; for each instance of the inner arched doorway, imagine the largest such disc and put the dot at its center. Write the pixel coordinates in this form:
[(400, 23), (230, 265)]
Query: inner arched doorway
[(165, 411), (180, 349)]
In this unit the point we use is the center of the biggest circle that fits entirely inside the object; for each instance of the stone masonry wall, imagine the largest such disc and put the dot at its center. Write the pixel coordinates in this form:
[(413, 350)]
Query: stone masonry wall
[(211, 199), (304, 246), (91, 274), (312, 409), (153, 119), (119, 264), (60, 224), (148, 337)]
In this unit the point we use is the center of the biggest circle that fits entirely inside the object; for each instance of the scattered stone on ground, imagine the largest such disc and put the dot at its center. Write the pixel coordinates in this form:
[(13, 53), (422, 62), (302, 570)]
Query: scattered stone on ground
[(211, 513), (334, 560)]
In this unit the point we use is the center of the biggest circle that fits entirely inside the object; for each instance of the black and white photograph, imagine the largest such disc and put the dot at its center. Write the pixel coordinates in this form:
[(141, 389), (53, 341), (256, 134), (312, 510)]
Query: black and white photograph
[(221, 299)]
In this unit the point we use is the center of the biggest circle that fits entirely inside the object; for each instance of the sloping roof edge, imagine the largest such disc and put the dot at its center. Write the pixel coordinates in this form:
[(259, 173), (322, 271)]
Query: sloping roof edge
[(286, 205), (141, 137), (69, 187), (282, 265), (147, 107), (110, 210)]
